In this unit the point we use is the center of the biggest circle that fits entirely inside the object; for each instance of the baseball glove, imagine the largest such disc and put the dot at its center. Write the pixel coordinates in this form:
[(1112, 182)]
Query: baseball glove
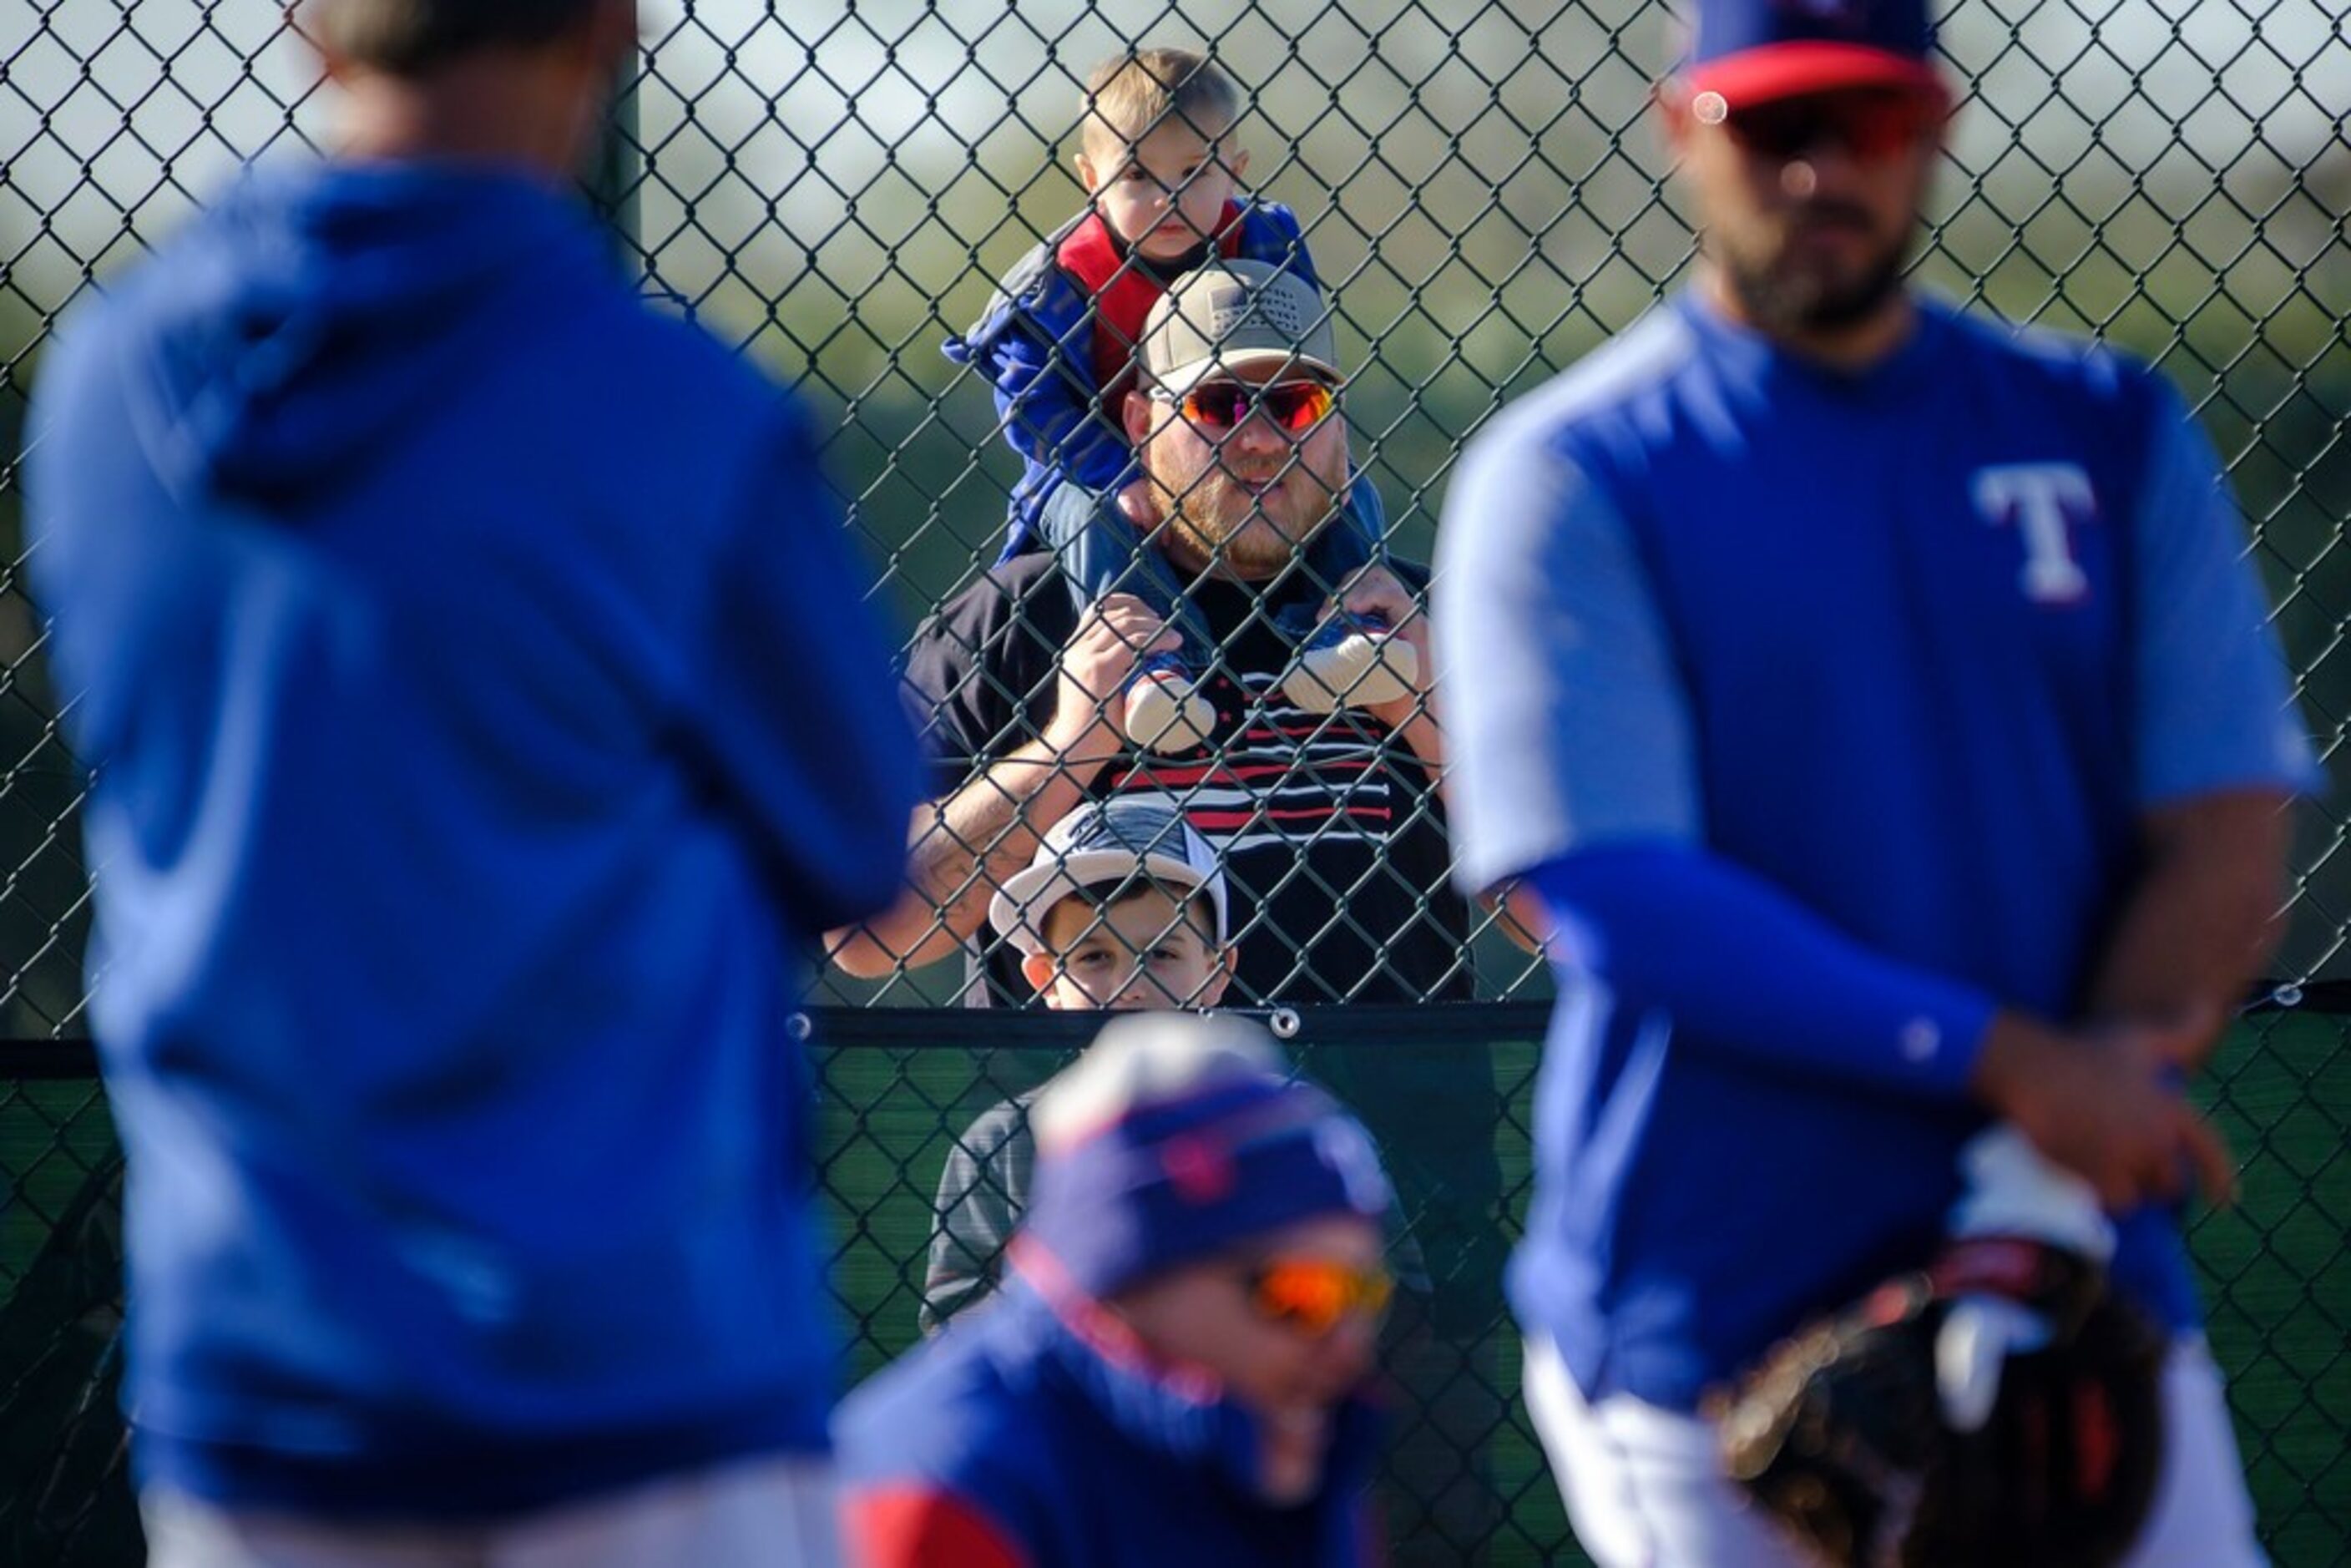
[(1843, 1437)]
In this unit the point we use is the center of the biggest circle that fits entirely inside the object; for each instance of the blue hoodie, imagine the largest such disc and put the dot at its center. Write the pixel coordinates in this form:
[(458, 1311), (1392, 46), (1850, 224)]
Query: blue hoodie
[(484, 707)]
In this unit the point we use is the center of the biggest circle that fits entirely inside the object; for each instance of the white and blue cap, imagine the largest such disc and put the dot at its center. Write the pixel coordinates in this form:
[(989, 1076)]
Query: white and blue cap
[(1107, 843), (1178, 1137)]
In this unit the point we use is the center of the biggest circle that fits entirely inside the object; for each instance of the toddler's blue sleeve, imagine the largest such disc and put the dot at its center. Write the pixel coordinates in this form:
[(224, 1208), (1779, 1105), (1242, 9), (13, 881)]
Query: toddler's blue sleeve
[(1036, 353)]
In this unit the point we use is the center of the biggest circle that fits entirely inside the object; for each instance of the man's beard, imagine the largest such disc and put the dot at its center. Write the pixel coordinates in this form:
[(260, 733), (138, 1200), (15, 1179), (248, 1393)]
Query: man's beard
[(1242, 533), (1779, 299)]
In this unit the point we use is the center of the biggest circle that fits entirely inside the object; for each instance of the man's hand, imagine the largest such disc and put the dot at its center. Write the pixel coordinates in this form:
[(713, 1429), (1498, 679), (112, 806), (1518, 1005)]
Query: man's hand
[(1138, 503), (964, 847), (2107, 1106), (1101, 655), (1377, 591)]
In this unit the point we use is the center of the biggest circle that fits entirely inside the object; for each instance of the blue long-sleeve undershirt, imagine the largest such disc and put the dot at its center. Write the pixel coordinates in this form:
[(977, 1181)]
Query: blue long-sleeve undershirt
[(1742, 968)]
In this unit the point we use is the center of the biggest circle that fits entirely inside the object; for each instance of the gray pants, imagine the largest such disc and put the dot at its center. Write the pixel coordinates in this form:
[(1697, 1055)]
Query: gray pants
[(773, 1511)]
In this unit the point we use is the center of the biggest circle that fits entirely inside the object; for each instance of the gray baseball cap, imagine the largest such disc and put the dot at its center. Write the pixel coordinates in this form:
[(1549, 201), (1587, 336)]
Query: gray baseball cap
[(1232, 316), (1107, 841)]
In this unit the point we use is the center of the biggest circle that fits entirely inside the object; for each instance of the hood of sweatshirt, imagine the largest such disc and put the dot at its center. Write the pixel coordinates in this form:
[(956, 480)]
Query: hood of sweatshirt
[(317, 310)]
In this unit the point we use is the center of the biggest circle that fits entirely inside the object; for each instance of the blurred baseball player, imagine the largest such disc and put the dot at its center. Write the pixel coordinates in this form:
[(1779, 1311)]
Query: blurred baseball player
[(1882, 708), (483, 710), (1177, 1368)]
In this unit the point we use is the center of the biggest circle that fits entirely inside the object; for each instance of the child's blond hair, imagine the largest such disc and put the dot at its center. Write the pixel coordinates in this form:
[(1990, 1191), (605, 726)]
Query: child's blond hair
[(1131, 95)]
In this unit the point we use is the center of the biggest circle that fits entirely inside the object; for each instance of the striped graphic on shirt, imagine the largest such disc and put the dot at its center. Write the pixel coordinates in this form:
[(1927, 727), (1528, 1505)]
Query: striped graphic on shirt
[(1283, 777)]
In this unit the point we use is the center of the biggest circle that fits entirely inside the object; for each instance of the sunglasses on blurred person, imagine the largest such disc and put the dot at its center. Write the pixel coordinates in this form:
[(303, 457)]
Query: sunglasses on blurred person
[(1315, 1295), (1219, 407), (1864, 123)]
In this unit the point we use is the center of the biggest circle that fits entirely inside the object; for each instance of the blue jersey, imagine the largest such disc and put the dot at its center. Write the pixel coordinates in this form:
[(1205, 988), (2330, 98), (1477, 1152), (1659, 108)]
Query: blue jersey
[(1913, 650), (483, 713)]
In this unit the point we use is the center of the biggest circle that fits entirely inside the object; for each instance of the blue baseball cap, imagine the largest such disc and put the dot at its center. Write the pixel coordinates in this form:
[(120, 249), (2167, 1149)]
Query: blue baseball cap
[(1757, 51), (1178, 1137)]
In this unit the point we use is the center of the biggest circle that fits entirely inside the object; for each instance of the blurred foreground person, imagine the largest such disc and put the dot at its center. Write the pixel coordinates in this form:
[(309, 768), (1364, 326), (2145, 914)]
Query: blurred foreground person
[(1879, 703), (1173, 1370), (482, 713)]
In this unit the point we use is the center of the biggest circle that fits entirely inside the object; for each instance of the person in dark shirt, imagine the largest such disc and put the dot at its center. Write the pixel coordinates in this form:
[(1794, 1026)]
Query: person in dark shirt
[(1330, 826)]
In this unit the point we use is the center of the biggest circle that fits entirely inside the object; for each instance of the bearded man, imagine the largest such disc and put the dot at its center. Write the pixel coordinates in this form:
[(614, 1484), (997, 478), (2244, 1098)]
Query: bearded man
[(1328, 824)]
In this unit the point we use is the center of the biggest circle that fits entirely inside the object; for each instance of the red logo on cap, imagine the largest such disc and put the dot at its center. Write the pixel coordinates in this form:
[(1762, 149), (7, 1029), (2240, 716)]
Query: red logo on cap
[(1198, 1168)]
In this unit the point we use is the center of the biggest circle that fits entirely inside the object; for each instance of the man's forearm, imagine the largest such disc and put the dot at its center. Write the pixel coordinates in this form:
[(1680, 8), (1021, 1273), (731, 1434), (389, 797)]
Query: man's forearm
[(960, 851), (1425, 742), (1519, 915), (2204, 917), (988, 829), (1518, 912)]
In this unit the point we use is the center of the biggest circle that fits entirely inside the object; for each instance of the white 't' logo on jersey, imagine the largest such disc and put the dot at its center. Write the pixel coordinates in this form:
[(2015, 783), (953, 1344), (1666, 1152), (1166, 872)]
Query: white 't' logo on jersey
[(2043, 500)]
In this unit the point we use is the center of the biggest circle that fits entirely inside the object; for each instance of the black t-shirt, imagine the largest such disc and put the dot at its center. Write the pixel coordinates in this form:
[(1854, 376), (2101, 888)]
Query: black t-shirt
[(1334, 844)]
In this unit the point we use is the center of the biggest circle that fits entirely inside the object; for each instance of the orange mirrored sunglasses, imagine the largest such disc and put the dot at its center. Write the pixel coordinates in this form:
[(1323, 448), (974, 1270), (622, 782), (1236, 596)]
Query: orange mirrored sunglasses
[(1295, 407), (1867, 124), (1312, 1294)]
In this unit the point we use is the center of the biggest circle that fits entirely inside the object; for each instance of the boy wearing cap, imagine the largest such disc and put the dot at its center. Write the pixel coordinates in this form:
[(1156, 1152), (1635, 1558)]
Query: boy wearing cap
[(1059, 341), (1175, 1373), (1123, 909)]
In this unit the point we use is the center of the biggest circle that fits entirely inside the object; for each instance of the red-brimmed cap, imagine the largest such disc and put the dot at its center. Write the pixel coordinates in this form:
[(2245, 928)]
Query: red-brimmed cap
[(1791, 70), (1756, 51)]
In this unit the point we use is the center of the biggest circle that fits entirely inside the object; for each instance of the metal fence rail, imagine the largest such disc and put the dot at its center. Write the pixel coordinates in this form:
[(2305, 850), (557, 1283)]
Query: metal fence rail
[(834, 189)]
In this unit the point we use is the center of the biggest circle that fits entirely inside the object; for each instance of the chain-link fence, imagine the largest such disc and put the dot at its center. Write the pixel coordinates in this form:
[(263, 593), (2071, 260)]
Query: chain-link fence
[(837, 190)]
